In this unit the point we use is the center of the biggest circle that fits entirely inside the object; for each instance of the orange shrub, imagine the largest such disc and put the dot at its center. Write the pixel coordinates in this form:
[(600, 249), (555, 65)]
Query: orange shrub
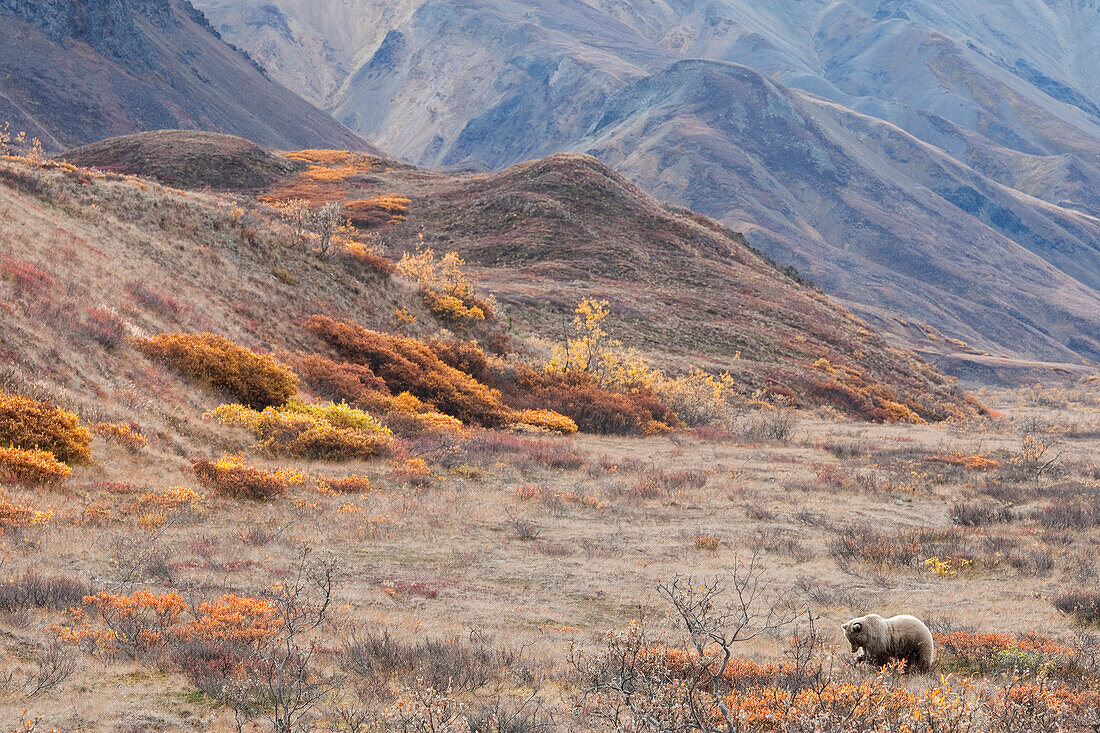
[(131, 624), (34, 425), (257, 380), (346, 485), (13, 515), (229, 476), (408, 365), (593, 408), (122, 434), (235, 619), (971, 462), (31, 467)]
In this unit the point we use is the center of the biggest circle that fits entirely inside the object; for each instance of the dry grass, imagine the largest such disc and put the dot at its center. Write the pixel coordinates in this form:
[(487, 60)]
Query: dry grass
[(477, 560)]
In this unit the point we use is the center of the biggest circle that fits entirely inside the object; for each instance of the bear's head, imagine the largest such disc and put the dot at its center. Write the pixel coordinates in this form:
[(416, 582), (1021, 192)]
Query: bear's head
[(858, 631)]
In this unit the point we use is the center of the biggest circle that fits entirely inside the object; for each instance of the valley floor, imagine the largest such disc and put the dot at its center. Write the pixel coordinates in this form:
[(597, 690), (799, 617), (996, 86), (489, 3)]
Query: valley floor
[(519, 552)]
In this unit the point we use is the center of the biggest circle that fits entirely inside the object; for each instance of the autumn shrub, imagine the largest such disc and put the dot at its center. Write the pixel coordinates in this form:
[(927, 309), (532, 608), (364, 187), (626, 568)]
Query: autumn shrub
[(363, 260), (405, 415), (345, 484), (24, 276), (158, 301), (35, 425), (104, 327), (991, 653), (388, 208), (257, 380), (128, 624), (408, 365), (445, 288), (124, 434), (968, 461), (35, 467), (546, 420), (173, 500), (1084, 605), (594, 409), (231, 477), (324, 432)]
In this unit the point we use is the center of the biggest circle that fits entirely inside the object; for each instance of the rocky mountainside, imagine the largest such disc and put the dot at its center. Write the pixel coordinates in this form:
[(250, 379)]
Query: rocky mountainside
[(899, 152), (72, 73)]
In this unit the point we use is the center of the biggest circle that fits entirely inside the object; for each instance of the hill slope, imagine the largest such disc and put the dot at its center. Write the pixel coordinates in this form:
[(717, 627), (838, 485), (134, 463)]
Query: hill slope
[(543, 236), (74, 73), (998, 167)]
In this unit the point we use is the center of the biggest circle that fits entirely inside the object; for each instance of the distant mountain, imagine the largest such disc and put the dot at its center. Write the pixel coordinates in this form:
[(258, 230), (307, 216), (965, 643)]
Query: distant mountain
[(72, 73), (935, 163)]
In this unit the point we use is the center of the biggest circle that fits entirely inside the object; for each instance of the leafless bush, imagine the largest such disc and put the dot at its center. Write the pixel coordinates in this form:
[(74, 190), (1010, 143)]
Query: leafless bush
[(445, 664), (53, 664), (37, 591), (978, 515)]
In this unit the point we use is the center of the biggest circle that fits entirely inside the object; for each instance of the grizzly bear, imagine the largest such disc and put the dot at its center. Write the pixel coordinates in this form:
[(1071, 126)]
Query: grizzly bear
[(879, 641)]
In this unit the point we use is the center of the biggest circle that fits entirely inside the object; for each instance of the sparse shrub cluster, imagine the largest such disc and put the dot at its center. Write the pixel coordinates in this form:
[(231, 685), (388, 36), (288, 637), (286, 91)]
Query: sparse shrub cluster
[(16, 516), (980, 514), (24, 277), (32, 590), (323, 432), (257, 380), (1084, 605), (35, 425), (230, 476), (124, 434), (446, 289)]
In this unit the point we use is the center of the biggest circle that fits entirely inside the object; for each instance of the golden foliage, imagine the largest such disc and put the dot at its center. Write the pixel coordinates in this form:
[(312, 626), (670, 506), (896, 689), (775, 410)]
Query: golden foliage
[(329, 432), (31, 467), (35, 425), (257, 380), (446, 289), (120, 433), (13, 515), (547, 420)]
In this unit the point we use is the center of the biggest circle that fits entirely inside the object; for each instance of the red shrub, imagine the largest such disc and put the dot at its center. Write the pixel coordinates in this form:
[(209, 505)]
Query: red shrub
[(594, 409), (408, 365)]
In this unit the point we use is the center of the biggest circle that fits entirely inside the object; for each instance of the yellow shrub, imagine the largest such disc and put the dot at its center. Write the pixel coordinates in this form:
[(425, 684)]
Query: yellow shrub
[(31, 466), (35, 425), (330, 175), (330, 431), (323, 156), (547, 419)]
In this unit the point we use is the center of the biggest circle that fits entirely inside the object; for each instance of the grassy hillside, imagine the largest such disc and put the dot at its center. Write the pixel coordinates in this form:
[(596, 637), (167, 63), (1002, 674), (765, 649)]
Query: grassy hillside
[(245, 481)]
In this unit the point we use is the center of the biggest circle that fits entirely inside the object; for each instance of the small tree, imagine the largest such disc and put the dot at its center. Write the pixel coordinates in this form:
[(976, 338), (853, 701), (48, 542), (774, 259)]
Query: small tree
[(296, 213), (672, 690), (325, 221)]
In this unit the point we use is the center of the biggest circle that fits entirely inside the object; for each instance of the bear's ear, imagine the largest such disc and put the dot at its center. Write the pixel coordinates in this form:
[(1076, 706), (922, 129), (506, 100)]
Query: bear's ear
[(856, 627)]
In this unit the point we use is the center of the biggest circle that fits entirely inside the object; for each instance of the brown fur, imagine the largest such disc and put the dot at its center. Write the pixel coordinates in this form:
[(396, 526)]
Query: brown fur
[(880, 641)]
